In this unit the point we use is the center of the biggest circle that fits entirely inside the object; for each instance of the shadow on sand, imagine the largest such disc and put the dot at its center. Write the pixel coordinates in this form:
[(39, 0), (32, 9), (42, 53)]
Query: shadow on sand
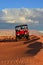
[(33, 38), (8, 40), (34, 48)]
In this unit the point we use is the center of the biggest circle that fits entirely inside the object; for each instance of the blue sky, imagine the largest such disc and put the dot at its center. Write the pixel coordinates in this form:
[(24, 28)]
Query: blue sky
[(21, 3), (32, 16)]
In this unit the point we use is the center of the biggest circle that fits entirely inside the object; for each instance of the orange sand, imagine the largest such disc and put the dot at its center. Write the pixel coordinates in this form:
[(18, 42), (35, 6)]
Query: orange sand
[(22, 52)]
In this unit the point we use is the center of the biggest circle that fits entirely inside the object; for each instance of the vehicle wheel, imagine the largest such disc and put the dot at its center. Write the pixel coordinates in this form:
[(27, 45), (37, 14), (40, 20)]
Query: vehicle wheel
[(17, 38), (27, 37)]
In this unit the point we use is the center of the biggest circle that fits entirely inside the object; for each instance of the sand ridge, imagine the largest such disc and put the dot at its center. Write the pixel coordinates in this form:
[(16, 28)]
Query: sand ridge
[(23, 52)]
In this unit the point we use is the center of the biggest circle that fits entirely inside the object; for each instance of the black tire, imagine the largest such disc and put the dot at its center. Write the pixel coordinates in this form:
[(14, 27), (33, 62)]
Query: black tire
[(17, 38), (27, 37)]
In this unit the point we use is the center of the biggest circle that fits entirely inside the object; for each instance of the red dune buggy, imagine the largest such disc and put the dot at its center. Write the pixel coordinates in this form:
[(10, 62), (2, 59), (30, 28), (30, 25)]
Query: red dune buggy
[(22, 32)]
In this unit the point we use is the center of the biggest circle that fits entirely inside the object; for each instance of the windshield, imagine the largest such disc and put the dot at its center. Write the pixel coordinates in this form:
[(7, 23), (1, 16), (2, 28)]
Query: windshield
[(21, 27), (24, 27), (18, 28)]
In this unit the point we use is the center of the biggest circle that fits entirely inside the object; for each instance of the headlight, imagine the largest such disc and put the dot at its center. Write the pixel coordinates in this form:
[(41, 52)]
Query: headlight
[(17, 34), (25, 33)]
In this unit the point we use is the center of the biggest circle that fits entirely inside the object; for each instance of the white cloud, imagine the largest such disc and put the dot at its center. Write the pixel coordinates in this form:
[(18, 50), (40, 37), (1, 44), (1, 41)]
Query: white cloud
[(23, 15), (31, 21), (22, 18), (37, 22), (11, 21), (5, 11), (33, 17), (40, 9)]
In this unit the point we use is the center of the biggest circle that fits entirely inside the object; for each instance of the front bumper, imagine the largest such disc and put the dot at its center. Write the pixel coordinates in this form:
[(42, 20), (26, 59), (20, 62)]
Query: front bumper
[(22, 35)]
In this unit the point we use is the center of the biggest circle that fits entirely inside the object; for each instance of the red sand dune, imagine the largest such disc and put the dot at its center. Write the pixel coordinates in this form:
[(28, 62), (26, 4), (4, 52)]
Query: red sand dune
[(22, 52)]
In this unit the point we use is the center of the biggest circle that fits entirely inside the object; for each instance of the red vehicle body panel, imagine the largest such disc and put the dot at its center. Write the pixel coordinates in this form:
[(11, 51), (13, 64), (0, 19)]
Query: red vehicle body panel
[(22, 32)]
